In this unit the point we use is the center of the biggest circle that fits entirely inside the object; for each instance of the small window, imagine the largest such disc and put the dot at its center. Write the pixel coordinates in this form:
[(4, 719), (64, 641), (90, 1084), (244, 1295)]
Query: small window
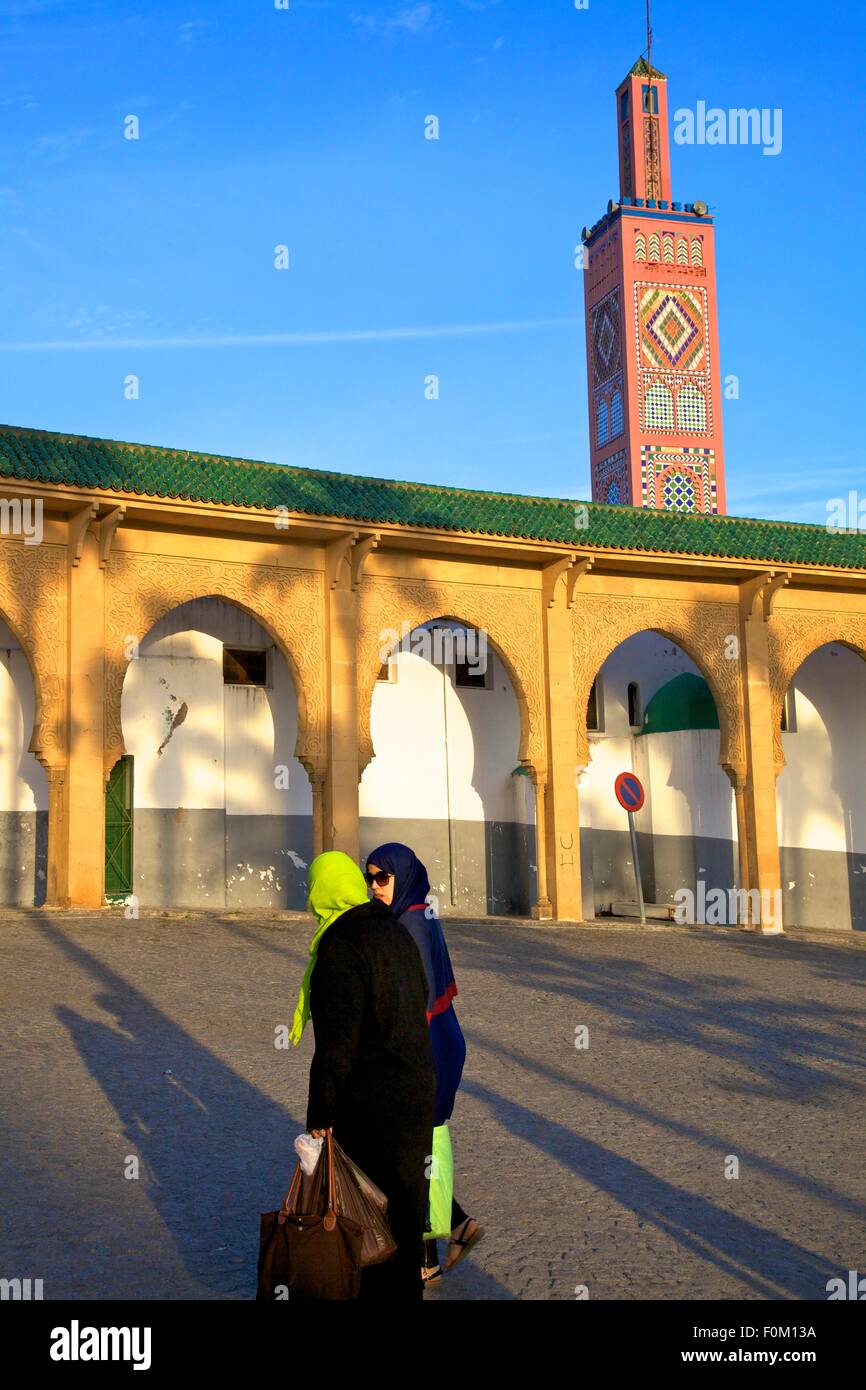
[(789, 712), (468, 676), (593, 709), (623, 106), (634, 710), (245, 666), (650, 102)]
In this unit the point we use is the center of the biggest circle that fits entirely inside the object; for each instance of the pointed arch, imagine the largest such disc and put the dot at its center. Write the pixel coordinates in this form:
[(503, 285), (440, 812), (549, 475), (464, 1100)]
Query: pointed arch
[(601, 622), (33, 605), (509, 618), (793, 634), (287, 603)]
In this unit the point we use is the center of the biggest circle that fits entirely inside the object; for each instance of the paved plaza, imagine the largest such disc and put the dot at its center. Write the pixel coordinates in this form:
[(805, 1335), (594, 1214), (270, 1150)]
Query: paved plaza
[(601, 1166)]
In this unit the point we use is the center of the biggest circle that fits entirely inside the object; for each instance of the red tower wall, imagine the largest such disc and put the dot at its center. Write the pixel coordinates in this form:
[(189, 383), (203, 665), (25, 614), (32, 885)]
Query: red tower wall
[(654, 381)]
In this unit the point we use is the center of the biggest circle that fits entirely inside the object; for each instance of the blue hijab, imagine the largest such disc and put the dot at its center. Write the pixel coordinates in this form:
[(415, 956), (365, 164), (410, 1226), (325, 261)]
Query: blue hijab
[(411, 889)]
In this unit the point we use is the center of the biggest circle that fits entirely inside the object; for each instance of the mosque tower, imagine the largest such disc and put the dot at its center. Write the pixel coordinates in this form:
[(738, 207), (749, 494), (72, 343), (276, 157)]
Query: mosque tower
[(655, 411)]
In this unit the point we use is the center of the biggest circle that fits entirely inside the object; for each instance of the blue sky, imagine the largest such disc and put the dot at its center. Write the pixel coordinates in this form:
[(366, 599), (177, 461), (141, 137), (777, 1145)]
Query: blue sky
[(305, 127)]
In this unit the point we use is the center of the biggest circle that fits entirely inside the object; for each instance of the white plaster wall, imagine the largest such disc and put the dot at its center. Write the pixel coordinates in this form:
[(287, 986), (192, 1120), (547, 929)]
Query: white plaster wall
[(821, 791), (22, 779), (225, 751), (687, 793), (438, 746)]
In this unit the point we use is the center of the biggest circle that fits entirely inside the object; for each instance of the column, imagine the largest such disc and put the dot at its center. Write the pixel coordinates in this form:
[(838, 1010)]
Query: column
[(55, 886), (764, 870), (562, 801), (340, 790), (542, 909), (83, 822)]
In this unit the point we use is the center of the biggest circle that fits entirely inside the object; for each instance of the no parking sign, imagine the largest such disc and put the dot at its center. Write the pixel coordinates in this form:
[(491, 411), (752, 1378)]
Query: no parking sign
[(629, 791), (630, 795)]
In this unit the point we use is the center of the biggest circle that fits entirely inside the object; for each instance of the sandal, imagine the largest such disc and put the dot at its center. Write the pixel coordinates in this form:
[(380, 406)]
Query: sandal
[(464, 1242), (431, 1274)]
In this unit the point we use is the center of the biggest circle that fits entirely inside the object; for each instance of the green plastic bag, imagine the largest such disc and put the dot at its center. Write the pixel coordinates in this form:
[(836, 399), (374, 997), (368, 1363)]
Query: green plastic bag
[(441, 1185)]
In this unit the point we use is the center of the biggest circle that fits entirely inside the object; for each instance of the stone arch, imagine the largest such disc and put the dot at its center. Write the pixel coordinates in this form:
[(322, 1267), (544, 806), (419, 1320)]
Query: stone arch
[(288, 603), (33, 604), (793, 635), (510, 618), (703, 630)]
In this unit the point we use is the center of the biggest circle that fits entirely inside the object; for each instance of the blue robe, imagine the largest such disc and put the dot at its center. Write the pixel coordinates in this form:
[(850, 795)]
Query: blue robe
[(411, 888)]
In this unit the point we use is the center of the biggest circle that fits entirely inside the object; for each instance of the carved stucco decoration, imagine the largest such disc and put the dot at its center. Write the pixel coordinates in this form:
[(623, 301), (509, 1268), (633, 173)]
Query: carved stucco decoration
[(702, 630), (510, 618), (33, 603), (793, 634), (289, 604)]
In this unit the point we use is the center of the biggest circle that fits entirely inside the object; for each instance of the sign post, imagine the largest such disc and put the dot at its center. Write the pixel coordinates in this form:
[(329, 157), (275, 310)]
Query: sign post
[(630, 795)]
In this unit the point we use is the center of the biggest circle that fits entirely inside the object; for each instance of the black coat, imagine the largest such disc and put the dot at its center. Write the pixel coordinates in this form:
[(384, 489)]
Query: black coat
[(372, 1076)]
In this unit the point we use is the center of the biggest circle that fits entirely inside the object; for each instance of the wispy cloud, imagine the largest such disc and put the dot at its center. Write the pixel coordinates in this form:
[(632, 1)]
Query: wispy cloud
[(411, 20), (234, 340), (191, 29), (59, 145)]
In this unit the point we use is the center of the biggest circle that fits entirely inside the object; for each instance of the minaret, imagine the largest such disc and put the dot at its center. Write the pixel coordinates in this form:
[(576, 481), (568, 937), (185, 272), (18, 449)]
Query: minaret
[(655, 414)]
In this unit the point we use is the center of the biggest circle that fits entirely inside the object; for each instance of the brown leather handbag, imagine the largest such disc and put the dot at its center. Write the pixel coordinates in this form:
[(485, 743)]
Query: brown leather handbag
[(314, 1254)]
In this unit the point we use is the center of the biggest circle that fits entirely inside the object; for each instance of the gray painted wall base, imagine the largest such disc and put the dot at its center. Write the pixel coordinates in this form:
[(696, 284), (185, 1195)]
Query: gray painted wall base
[(667, 863), (204, 858), (476, 868), (23, 858), (823, 888)]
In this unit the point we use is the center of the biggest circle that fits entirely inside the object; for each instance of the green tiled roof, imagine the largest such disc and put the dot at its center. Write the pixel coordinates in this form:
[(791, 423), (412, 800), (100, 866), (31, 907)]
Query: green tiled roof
[(147, 471), (641, 69)]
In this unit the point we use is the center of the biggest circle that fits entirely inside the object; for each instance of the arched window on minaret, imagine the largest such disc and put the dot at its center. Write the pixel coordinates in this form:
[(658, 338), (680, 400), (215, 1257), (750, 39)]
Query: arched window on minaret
[(668, 243), (697, 251), (616, 420), (659, 407), (654, 247), (682, 251), (602, 424), (640, 247), (691, 408)]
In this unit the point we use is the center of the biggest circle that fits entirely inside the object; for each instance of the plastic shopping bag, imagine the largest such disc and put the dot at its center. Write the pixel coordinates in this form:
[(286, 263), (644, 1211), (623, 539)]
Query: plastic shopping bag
[(360, 1198), (441, 1185), (308, 1150)]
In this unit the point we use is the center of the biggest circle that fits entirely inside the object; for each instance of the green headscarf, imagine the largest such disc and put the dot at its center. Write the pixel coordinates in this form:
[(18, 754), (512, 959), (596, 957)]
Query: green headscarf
[(336, 884)]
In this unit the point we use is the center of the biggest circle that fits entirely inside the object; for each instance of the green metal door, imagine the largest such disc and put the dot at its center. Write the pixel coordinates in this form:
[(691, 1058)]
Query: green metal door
[(118, 830)]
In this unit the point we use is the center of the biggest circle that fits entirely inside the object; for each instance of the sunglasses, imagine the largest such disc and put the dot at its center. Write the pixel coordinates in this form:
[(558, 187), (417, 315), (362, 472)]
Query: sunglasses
[(380, 879)]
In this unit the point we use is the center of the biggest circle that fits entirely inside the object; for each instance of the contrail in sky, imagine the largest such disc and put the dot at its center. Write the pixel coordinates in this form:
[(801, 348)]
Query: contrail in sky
[(349, 335)]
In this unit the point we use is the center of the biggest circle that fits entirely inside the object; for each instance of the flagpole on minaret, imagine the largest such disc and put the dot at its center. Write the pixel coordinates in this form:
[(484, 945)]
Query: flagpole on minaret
[(649, 54)]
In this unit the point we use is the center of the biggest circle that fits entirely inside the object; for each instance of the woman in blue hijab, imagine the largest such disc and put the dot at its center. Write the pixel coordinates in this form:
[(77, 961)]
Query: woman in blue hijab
[(398, 878)]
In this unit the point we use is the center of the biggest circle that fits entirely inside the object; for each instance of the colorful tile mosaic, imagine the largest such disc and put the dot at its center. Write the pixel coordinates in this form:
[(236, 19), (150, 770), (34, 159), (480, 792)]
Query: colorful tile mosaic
[(682, 480), (659, 407), (652, 161), (691, 408), (610, 482), (606, 338), (670, 323), (616, 416), (670, 401)]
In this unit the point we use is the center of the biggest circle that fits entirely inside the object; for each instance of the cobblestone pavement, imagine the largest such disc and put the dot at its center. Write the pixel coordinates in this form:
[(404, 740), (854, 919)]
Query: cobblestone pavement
[(602, 1166)]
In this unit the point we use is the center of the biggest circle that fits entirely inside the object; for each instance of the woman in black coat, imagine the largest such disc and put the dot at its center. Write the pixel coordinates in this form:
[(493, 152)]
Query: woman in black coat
[(372, 1076)]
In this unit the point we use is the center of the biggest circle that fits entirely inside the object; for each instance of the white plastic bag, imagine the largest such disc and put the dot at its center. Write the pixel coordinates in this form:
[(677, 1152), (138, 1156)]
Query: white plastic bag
[(308, 1149)]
